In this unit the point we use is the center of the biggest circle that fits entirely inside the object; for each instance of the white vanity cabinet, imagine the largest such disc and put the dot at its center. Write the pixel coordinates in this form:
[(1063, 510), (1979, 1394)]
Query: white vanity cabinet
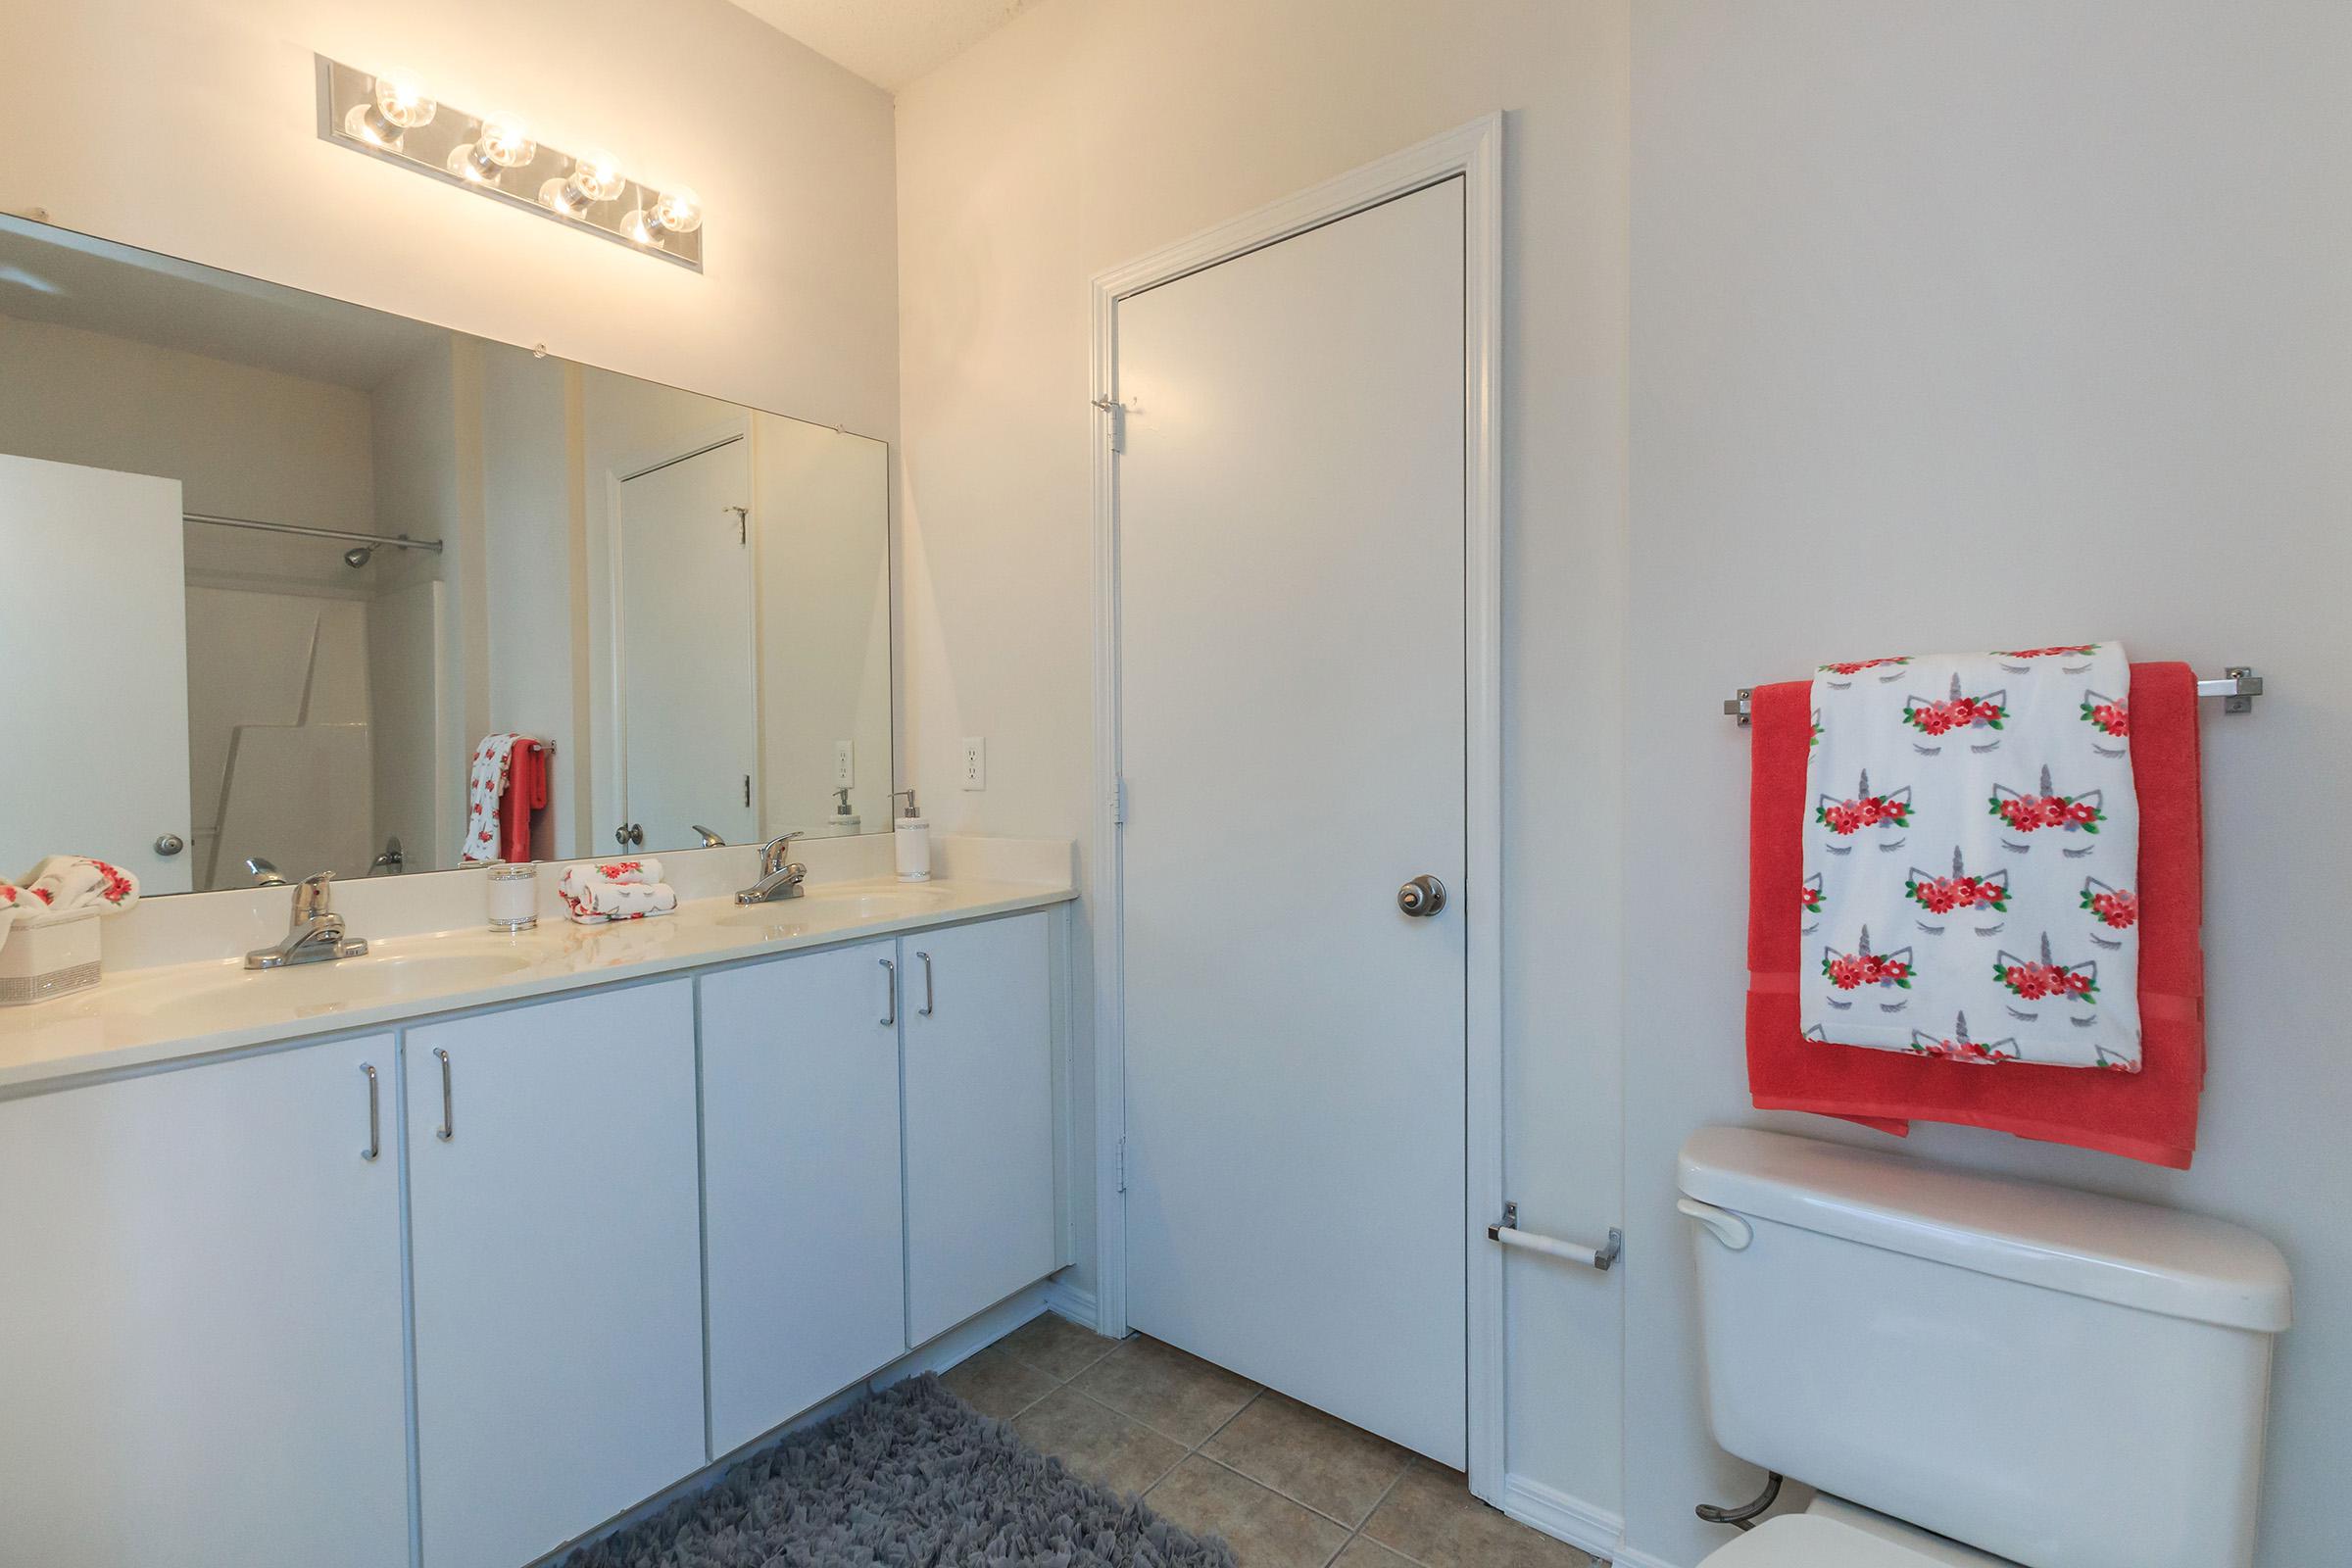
[(200, 1301), (556, 1259), (802, 1225), (979, 1116)]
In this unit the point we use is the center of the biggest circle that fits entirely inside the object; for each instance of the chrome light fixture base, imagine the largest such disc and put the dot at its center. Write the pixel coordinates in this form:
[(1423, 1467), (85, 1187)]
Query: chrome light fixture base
[(491, 155)]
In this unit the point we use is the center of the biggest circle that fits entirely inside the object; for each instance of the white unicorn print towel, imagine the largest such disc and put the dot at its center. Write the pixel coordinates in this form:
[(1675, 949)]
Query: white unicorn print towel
[(598, 894), (1971, 852)]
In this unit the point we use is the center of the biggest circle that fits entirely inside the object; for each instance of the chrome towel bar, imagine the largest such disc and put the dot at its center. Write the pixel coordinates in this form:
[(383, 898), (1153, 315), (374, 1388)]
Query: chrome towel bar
[(1510, 1234), (2237, 688)]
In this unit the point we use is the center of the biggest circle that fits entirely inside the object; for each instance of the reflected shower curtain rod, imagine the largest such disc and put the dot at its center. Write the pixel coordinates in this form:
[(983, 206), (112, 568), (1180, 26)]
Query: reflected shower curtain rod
[(380, 541)]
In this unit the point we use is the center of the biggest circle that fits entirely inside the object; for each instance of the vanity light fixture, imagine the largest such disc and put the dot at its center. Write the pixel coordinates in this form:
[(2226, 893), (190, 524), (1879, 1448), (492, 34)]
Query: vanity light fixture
[(677, 212), (503, 143), (388, 115), (395, 107), (594, 177)]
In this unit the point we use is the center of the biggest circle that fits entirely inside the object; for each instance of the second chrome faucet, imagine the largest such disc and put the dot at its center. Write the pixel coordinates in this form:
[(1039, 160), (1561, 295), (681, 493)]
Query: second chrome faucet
[(779, 879)]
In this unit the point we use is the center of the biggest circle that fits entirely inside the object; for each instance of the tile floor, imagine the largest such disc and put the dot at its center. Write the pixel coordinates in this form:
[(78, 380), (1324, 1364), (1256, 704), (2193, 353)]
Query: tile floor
[(1286, 1486)]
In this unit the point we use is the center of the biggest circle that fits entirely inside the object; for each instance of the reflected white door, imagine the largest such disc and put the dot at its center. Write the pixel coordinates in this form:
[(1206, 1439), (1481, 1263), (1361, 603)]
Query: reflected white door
[(1293, 725), (690, 696), (94, 643)]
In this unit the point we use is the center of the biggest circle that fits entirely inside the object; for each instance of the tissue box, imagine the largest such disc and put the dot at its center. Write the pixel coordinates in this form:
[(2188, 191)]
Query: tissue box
[(48, 962)]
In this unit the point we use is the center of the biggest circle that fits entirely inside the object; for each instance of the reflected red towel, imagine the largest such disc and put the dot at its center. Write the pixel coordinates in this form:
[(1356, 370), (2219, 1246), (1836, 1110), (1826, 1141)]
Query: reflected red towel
[(525, 793), (2149, 1116)]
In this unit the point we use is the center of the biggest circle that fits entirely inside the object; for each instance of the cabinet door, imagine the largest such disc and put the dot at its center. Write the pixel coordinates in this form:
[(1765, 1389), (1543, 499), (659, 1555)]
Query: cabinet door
[(979, 1056), (802, 1228), (553, 1227), (200, 1302)]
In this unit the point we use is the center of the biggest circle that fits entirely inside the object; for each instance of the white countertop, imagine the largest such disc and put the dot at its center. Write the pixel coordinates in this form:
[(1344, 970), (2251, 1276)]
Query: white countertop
[(174, 1012)]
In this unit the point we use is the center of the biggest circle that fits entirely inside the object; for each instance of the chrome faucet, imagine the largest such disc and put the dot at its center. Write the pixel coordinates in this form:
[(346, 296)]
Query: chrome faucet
[(393, 859), (316, 935), (710, 840), (779, 879), (265, 872)]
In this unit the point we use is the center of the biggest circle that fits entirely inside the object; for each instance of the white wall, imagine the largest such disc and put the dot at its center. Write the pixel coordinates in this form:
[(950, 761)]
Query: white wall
[(534, 523), (1085, 135), (190, 126), (822, 525), (1964, 326), (243, 442)]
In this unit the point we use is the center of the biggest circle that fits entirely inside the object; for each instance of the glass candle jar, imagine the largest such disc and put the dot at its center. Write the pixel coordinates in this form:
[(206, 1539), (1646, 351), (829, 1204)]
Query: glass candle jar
[(515, 897)]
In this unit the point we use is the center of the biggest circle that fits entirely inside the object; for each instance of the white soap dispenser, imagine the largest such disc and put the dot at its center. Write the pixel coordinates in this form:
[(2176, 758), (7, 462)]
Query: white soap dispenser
[(911, 837), (844, 822)]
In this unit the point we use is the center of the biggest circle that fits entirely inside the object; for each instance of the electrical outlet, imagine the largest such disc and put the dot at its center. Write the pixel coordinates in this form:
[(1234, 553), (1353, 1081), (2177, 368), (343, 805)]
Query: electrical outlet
[(845, 769), (975, 763)]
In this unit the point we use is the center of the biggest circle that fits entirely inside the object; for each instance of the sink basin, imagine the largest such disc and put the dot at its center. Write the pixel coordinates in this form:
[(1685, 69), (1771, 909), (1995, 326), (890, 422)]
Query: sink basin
[(345, 983), (838, 905)]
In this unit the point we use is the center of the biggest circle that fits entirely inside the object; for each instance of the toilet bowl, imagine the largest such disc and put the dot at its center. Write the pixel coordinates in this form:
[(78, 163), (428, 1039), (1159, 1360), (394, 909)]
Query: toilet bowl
[(1834, 1534)]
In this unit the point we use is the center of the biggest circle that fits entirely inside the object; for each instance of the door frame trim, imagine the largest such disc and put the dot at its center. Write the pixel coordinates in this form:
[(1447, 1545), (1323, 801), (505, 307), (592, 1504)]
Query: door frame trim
[(1474, 154)]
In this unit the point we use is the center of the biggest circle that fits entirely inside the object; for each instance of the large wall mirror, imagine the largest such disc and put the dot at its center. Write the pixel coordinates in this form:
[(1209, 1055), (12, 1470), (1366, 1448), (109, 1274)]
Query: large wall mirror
[(277, 564)]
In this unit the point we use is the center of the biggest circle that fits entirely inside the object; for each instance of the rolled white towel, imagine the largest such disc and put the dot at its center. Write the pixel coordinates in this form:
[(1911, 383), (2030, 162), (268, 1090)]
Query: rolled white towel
[(618, 890), (65, 886)]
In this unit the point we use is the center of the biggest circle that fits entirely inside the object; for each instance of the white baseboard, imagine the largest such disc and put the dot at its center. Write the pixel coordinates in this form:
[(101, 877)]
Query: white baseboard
[(1570, 1519), (1072, 1301), (1627, 1557), (966, 1339)]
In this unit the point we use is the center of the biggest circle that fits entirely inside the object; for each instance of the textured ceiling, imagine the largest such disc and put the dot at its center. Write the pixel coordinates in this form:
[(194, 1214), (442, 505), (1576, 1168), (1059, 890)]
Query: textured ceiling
[(888, 42)]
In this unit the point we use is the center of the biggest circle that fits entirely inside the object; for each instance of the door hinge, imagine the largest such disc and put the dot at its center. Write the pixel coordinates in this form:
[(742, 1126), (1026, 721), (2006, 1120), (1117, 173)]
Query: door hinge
[(1118, 422), (746, 789), (1119, 804), (1122, 1164), (743, 525)]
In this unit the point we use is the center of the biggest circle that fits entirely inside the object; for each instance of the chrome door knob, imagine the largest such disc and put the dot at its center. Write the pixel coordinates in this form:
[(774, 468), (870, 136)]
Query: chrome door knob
[(169, 844), (1423, 896)]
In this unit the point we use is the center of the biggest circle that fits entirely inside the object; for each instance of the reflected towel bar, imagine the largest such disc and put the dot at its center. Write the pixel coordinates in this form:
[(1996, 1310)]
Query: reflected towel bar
[(341, 535), (2237, 688), (1510, 1234)]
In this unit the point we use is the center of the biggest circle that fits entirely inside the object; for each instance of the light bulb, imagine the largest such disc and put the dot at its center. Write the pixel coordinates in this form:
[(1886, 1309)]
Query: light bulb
[(503, 143), (398, 104), (675, 211), (594, 177)]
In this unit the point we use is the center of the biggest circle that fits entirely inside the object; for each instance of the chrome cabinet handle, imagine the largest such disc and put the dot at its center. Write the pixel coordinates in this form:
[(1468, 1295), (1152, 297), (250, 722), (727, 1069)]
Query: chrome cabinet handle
[(449, 1121), (925, 1009), (375, 1141), (889, 985)]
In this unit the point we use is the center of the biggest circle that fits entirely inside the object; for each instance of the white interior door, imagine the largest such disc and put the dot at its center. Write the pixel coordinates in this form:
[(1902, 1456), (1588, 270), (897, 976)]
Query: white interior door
[(1293, 724), (96, 638), (690, 694)]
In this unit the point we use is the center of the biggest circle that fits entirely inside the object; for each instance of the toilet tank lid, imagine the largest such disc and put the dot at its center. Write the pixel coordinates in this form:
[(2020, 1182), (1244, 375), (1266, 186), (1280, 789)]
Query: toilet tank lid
[(2107, 1249)]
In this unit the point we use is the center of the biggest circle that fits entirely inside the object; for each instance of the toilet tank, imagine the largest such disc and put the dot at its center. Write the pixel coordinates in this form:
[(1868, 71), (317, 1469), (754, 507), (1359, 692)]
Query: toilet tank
[(2063, 1379)]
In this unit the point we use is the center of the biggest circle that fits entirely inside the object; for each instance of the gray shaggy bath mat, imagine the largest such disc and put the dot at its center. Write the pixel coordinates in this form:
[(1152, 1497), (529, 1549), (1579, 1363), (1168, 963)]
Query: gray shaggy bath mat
[(913, 1478)]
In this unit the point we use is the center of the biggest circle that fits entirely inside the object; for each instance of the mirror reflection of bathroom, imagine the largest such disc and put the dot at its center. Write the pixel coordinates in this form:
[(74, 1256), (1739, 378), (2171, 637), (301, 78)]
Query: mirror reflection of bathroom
[(315, 553)]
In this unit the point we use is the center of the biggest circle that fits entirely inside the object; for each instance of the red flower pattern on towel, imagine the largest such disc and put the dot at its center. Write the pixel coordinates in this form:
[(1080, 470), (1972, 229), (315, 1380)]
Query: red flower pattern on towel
[(2029, 813), (1870, 810), (2057, 651), (1851, 972), (1968, 1050), (1961, 712), (2111, 718), (2035, 982), (1857, 667), (1942, 894), (1812, 898), (2117, 909)]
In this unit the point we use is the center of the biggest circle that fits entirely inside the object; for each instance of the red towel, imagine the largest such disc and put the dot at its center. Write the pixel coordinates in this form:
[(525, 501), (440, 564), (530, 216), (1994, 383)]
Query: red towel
[(525, 793), (2150, 1114)]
